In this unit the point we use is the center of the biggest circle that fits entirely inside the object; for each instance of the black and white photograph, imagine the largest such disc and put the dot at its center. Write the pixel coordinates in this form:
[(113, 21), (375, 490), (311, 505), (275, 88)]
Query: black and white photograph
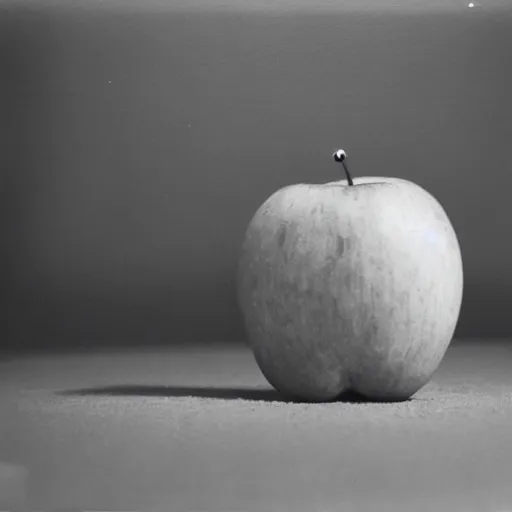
[(256, 256)]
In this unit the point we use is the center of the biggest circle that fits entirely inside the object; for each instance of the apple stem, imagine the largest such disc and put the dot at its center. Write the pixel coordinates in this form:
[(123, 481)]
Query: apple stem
[(340, 156), (349, 178)]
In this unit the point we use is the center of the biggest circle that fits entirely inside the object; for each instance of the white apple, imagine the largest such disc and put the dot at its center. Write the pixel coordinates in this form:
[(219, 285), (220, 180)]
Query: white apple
[(354, 285)]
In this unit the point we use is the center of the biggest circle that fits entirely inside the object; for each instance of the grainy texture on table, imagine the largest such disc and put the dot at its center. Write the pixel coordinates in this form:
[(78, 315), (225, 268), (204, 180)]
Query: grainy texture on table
[(197, 428)]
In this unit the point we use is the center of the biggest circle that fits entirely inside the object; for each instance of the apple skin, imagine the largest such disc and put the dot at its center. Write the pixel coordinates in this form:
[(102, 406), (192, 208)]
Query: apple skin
[(350, 288)]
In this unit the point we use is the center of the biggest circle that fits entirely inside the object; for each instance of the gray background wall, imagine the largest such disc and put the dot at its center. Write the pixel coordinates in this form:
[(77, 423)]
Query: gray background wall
[(140, 137)]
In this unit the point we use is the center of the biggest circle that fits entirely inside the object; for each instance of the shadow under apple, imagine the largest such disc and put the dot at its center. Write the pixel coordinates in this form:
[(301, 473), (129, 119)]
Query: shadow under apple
[(219, 393)]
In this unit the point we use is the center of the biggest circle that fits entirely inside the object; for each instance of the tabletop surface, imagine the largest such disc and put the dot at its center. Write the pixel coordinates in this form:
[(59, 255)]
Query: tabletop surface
[(197, 428)]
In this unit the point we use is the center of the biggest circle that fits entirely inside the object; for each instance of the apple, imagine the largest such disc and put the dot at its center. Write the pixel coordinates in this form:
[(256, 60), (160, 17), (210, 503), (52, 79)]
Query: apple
[(350, 286)]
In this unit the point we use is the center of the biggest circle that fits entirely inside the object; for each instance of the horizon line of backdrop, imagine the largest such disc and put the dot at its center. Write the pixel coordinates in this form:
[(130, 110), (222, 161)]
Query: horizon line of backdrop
[(142, 136)]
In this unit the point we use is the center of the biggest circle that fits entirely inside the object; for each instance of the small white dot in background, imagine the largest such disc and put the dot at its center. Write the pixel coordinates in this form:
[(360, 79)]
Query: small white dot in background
[(110, 81), (470, 5)]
